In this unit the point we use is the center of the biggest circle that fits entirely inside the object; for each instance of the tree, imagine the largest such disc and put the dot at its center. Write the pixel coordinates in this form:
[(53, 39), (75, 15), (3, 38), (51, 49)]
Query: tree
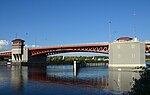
[(142, 85)]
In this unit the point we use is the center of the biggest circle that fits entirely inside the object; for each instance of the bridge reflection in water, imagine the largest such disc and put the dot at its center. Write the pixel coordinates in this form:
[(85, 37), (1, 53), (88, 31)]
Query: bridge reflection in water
[(64, 75), (90, 78)]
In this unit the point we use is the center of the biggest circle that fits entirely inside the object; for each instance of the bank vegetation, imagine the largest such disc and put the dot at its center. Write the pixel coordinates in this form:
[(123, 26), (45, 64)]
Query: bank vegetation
[(86, 59)]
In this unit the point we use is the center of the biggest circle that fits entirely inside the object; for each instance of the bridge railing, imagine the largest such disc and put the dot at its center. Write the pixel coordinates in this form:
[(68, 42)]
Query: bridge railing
[(73, 44), (147, 41)]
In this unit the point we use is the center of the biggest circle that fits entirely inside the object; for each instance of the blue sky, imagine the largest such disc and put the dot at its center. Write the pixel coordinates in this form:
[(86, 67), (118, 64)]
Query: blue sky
[(61, 22)]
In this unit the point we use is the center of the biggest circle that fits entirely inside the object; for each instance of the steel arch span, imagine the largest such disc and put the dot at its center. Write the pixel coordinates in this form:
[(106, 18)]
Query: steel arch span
[(95, 48)]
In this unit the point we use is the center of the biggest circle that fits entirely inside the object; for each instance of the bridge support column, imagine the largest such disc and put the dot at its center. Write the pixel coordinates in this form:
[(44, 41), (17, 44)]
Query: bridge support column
[(74, 68), (127, 54)]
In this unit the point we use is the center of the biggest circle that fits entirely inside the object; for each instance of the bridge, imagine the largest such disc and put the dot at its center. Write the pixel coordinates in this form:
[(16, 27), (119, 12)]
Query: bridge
[(122, 47), (96, 48), (33, 54), (5, 54)]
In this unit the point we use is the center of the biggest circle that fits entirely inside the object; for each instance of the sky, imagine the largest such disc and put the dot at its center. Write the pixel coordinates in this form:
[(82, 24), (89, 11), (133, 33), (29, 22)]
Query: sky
[(65, 22)]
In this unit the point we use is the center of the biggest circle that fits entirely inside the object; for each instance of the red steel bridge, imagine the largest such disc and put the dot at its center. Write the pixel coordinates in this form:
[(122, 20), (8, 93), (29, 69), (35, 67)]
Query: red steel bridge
[(21, 54), (95, 48)]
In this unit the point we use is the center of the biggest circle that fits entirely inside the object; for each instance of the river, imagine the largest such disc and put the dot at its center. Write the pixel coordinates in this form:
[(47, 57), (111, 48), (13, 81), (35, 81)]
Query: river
[(60, 80)]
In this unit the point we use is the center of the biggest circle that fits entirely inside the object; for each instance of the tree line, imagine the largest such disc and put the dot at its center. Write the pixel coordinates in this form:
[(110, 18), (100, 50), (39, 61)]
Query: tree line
[(77, 58), (147, 58)]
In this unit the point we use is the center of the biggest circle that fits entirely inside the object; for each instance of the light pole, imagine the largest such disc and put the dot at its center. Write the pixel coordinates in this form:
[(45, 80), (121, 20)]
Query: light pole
[(109, 31)]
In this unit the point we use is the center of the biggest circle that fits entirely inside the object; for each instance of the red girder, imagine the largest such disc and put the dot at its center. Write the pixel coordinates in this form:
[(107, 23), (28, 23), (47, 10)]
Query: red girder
[(5, 54), (101, 82), (97, 48)]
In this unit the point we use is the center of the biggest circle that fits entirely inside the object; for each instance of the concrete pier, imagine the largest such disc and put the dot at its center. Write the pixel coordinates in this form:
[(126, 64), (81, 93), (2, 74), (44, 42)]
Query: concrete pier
[(74, 68)]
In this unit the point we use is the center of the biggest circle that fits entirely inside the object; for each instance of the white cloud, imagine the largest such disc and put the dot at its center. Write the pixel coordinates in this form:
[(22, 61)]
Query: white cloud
[(34, 45), (3, 44)]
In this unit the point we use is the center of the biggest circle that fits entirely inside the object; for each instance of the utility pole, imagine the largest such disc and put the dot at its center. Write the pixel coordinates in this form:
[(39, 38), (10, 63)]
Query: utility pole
[(134, 24), (16, 35), (35, 42), (109, 31)]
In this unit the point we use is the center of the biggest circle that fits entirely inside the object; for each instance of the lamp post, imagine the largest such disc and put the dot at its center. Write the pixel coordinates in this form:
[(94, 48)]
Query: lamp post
[(109, 31)]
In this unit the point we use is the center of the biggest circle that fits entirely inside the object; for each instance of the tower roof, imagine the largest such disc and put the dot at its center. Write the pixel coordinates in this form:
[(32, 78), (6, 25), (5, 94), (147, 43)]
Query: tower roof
[(124, 39), (18, 40)]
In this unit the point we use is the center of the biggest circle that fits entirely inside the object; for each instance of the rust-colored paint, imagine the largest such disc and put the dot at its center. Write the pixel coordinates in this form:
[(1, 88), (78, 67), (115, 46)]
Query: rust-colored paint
[(97, 48)]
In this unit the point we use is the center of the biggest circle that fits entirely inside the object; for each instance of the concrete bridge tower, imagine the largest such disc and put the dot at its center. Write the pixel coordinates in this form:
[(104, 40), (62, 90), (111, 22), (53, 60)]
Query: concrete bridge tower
[(19, 51), (127, 52)]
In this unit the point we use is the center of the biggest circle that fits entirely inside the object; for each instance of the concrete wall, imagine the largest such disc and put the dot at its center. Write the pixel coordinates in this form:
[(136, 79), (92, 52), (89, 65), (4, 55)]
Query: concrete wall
[(25, 56), (20, 55), (127, 54)]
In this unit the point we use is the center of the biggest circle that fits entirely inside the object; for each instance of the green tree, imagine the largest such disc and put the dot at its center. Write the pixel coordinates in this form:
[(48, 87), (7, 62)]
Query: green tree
[(142, 85)]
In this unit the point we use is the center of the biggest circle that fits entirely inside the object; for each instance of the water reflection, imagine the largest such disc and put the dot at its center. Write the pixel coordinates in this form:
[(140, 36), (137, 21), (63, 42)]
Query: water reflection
[(19, 76), (18, 80), (60, 71), (12, 80), (62, 75), (122, 80)]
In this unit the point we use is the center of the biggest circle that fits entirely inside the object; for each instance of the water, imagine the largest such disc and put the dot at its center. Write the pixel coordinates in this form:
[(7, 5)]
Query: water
[(60, 80)]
